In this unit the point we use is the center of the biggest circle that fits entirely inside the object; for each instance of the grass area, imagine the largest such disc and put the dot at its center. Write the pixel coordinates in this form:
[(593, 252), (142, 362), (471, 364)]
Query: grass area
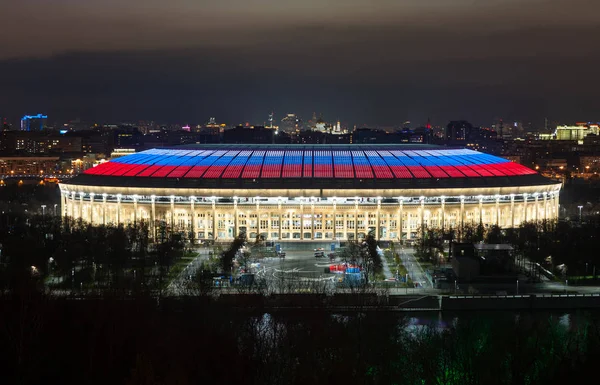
[(380, 277), (395, 264), (180, 265)]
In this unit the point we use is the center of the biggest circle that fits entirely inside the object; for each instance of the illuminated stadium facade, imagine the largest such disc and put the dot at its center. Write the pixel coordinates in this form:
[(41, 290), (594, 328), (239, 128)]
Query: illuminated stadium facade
[(312, 192)]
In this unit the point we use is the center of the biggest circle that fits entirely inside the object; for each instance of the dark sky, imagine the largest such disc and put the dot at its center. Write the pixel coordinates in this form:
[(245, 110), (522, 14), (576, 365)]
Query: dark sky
[(373, 62)]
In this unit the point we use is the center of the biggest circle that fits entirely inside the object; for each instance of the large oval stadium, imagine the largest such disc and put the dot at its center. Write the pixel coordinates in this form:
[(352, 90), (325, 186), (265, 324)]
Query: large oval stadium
[(309, 192)]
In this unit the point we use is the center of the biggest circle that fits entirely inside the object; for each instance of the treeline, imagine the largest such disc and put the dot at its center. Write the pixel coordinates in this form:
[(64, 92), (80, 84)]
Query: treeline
[(45, 340), (78, 256), (553, 243)]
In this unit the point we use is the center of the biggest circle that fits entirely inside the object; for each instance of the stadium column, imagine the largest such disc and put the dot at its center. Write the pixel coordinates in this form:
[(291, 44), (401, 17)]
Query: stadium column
[(345, 216), (104, 209), (172, 213), (65, 205), (214, 219), (377, 216), (497, 210), (118, 209), (235, 217), (70, 209), (537, 208), (422, 216), (193, 217), (269, 223), (462, 213), (153, 216), (81, 206), (280, 217), (512, 210), (334, 220), (257, 216), (400, 214), (301, 219), (312, 220), (545, 205), (442, 225), (135, 209), (73, 204), (524, 208), (92, 208), (356, 220)]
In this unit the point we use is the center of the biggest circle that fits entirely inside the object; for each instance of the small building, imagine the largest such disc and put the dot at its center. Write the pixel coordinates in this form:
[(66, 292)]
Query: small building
[(495, 259), (464, 262), (472, 261)]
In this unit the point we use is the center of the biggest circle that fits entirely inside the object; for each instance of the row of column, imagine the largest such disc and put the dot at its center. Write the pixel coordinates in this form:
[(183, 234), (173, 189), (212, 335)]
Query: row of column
[(74, 207)]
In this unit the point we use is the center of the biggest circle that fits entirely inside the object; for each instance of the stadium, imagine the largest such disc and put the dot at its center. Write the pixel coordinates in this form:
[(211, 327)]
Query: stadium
[(309, 192)]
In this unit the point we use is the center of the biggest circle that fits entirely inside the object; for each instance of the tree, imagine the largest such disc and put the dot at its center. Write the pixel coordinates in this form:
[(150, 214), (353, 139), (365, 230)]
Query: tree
[(371, 255), (430, 245), (227, 256), (493, 235)]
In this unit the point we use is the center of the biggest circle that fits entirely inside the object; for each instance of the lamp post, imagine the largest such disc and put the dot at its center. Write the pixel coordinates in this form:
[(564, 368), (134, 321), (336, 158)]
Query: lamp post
[(55, 209), (43, 211), (517, 287), (579, 207)]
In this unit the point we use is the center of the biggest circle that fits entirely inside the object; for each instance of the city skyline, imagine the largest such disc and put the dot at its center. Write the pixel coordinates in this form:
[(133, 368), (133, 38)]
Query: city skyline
[(370, 63), (305, 122)]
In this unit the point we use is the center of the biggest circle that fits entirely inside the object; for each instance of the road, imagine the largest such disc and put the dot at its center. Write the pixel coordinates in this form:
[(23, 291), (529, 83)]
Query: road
[(178, 285), (299, 269), (415, 271)]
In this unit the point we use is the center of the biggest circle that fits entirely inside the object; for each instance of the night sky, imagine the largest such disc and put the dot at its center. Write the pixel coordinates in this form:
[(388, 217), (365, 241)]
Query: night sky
[(366, 62)]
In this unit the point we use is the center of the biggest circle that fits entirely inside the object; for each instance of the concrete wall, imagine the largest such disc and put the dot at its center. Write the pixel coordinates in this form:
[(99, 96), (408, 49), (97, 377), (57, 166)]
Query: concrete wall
[(522, 302)]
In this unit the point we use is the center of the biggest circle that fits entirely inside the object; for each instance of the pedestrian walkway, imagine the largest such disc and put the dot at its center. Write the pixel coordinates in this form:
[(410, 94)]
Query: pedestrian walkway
[(386, 268)]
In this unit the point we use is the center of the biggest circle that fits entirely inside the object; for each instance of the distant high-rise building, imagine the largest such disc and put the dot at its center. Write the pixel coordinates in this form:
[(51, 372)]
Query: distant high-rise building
[(291, 122), (577, 132), (337, 129), (458, 130), (33, 122), (270, 120)]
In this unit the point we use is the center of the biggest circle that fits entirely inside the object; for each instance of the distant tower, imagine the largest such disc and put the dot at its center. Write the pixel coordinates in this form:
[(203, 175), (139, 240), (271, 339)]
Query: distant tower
[(428, 125), (500, 128), (271, 118)]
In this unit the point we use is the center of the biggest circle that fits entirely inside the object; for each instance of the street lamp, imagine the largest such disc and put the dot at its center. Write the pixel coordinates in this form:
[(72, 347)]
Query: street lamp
[(517, 287), (55, 209), (43, 211), (579, 207)]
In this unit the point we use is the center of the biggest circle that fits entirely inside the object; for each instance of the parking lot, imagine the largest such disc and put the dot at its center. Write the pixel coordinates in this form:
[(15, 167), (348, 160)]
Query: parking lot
[(298, 266)]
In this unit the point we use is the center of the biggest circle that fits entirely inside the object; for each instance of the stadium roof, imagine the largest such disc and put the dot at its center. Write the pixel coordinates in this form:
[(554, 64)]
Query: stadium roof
[(310, 166)]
